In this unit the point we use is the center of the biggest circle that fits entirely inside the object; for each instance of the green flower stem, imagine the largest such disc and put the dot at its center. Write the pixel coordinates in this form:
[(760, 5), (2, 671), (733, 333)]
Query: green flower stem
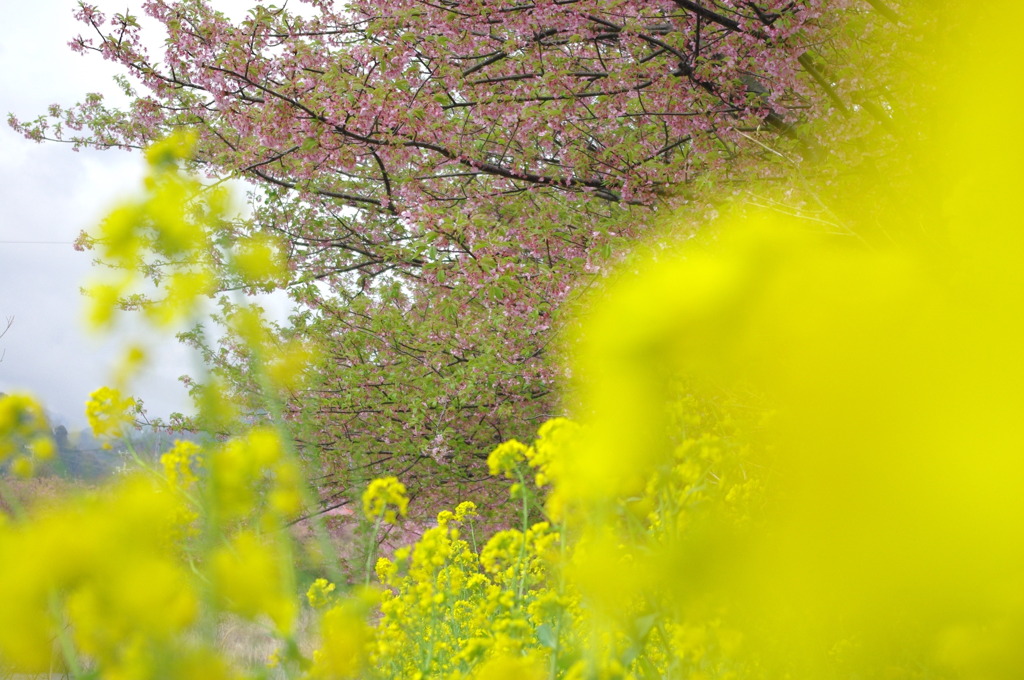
[(275, 407), (371, 543), (472, 536), (432, 637), (67, 646), (526, 525), (562, 557)]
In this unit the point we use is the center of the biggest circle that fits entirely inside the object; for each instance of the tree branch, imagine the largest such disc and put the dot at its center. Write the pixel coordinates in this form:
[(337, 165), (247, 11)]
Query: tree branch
[(711, 16)]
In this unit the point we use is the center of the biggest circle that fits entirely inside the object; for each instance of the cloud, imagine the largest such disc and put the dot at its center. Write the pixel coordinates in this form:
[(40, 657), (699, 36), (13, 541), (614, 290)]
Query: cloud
[(50, 194)]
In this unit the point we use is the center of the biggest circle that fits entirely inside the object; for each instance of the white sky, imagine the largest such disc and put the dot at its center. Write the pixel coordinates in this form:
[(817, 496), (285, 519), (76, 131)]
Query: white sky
[(48, 193)]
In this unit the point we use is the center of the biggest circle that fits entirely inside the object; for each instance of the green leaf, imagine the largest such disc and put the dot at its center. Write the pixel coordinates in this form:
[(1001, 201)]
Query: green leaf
[(546, 636)]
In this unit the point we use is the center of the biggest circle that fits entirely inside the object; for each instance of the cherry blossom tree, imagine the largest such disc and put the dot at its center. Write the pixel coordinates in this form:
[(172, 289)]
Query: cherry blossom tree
[(446, 174)]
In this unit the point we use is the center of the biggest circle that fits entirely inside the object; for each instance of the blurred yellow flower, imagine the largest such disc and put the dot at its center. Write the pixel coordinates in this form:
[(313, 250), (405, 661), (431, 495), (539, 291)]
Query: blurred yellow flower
[(23, 425), (249, 579), (260, 261), (511, 668), (345, 642), (180, 464)]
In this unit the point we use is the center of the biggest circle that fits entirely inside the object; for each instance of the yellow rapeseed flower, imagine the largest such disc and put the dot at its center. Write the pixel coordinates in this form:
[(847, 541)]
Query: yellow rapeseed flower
[(249, 580), (165, 154), (109, 412), (101, 567), (506, 457), (288, 364), (385, 570), (103, 299), (320, 594), (508, 667), (260, 261), (42, 447), (186, 290), (465, 510), (24, 427), (385, 498), (180, 464), (252, 471), (345, 639)]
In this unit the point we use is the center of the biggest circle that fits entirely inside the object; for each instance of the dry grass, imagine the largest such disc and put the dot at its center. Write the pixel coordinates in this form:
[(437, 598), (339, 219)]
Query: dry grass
[(250, 645), (38, 492)]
